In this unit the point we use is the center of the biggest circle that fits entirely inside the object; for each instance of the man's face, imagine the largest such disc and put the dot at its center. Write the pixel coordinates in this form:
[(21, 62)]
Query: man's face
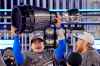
[(80, 45), (38, 46), (59, 19), (8, 52), (74, 17)]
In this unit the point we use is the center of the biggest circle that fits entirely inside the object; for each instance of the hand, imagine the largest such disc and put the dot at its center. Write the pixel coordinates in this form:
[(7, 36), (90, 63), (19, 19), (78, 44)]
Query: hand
[(13, 30)]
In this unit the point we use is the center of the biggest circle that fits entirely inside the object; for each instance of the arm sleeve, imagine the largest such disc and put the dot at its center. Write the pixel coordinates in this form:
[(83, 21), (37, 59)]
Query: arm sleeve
[(60, 50), (19, 57)]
